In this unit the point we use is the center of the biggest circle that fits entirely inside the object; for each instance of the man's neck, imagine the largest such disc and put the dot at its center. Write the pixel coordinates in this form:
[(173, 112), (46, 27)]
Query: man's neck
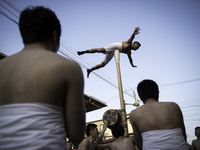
[(39, 46), (91, 139), (119, 138), (150, 100)]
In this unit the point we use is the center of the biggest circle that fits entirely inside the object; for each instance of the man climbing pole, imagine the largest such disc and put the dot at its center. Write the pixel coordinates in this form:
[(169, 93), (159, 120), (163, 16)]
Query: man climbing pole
[(123, 47)]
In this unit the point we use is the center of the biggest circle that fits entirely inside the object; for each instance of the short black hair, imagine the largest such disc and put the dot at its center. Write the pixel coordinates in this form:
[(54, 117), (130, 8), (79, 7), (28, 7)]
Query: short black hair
[(197, 128), (117, 130), (89, 128), (147, 89), (37, 24), (138, 43)]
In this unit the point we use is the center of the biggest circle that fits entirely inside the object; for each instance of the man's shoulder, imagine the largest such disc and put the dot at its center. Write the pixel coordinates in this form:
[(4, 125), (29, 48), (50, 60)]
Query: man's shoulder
[(136, 113), (84, 143), (137, 110), (171, 104), (61, 61)]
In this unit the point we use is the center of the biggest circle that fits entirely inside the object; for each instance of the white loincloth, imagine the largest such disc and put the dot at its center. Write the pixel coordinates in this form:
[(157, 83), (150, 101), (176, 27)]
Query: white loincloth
[(110, 51), (113, 46), (31, 126), (172, 139)]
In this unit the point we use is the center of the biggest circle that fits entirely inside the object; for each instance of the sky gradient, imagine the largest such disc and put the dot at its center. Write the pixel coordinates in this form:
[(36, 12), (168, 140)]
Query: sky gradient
[(169, 52)]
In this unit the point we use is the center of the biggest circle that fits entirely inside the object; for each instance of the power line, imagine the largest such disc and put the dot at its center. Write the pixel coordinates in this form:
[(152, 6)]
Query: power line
[(191, 106), (182, 82), (9, 11), (192, 119), (5, 15), (12, 5), (192, 115)]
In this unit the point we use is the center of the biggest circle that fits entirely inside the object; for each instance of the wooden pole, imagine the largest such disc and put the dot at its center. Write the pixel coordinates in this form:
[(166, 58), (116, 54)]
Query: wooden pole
[(123, 109)]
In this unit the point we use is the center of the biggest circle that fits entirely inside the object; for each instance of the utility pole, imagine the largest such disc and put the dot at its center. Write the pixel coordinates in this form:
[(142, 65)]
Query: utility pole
[(123, 109)]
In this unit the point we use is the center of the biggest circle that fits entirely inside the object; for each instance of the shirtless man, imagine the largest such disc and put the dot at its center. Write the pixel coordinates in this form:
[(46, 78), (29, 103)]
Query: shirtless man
[(41, 92), (121, 142), (157, 125), (196, 143), (93, 137), (123, 47)]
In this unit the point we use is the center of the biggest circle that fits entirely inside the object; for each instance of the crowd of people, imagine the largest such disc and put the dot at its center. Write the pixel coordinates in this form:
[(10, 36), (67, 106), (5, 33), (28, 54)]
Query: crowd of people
[(42, 99)]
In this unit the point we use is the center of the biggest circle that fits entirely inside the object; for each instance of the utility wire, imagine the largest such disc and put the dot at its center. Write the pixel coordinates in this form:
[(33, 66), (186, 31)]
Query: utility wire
[(9, 11), (192, 115), (12, 5), (5, 15), (176, 83)]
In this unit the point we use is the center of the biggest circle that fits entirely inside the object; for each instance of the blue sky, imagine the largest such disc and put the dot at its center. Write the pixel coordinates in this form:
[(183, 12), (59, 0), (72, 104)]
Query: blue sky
[(169, 53)]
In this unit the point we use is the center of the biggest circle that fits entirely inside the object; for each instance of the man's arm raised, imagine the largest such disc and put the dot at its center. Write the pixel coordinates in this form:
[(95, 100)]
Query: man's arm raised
[(136, 31)]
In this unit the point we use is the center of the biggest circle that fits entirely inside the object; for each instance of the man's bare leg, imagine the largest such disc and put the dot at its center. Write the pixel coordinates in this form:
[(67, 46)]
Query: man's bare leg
[(94, 68), (94, 50)]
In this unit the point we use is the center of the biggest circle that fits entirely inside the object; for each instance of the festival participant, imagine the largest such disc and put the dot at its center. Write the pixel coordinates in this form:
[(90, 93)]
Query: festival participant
[(123, 47), (121, 142), (157, 125), (41, 92), (196, 143), (93, 137)]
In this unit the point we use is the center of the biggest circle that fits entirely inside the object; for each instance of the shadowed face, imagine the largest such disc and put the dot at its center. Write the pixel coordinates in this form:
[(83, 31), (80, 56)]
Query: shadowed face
[(135, 46), (69, 145), (197, 132), (95, 133)]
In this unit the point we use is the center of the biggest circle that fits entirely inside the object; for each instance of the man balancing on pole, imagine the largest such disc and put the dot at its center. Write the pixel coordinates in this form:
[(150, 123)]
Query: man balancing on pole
[(123, 47)]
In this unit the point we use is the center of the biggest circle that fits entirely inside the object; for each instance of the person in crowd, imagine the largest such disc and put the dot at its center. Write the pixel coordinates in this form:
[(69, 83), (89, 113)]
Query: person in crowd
[(69, 145), (196, 143), (41, 92), (121, 142), (123, 47), (157, 125), (93, 137)]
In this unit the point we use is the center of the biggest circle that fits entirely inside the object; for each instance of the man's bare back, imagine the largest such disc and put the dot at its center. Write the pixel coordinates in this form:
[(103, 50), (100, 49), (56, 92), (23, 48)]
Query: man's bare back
[(157, 118), (49, 84), (157, 115), (122, 144), (36, 75)]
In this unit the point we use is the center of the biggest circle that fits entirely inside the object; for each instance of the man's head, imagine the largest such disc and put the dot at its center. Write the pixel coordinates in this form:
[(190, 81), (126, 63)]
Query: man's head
[(117, 130), (147, 89), (69, 145), (135, 45), (197, 131), (92, 130), (39, 24)]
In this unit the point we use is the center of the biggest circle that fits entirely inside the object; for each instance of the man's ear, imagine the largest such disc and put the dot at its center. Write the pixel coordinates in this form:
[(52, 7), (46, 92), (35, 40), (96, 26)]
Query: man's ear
[(54, 42), (54, 37)]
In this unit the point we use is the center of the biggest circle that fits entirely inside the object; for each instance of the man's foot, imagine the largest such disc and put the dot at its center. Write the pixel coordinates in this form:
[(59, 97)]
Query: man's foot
[(80, 52), (88, 73)]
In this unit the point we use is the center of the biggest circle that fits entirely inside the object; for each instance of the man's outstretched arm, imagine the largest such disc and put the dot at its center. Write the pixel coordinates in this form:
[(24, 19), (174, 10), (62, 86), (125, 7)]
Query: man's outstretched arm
[(136, 31), (130, 59)]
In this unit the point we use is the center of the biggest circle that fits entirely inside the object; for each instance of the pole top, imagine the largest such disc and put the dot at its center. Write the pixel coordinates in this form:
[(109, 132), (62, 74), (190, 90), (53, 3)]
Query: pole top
[(116, 54)]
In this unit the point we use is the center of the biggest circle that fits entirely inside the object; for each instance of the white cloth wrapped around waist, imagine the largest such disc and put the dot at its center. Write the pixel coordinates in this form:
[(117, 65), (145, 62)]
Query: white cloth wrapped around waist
[(31, 126), (171, 139), (113, 46)]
